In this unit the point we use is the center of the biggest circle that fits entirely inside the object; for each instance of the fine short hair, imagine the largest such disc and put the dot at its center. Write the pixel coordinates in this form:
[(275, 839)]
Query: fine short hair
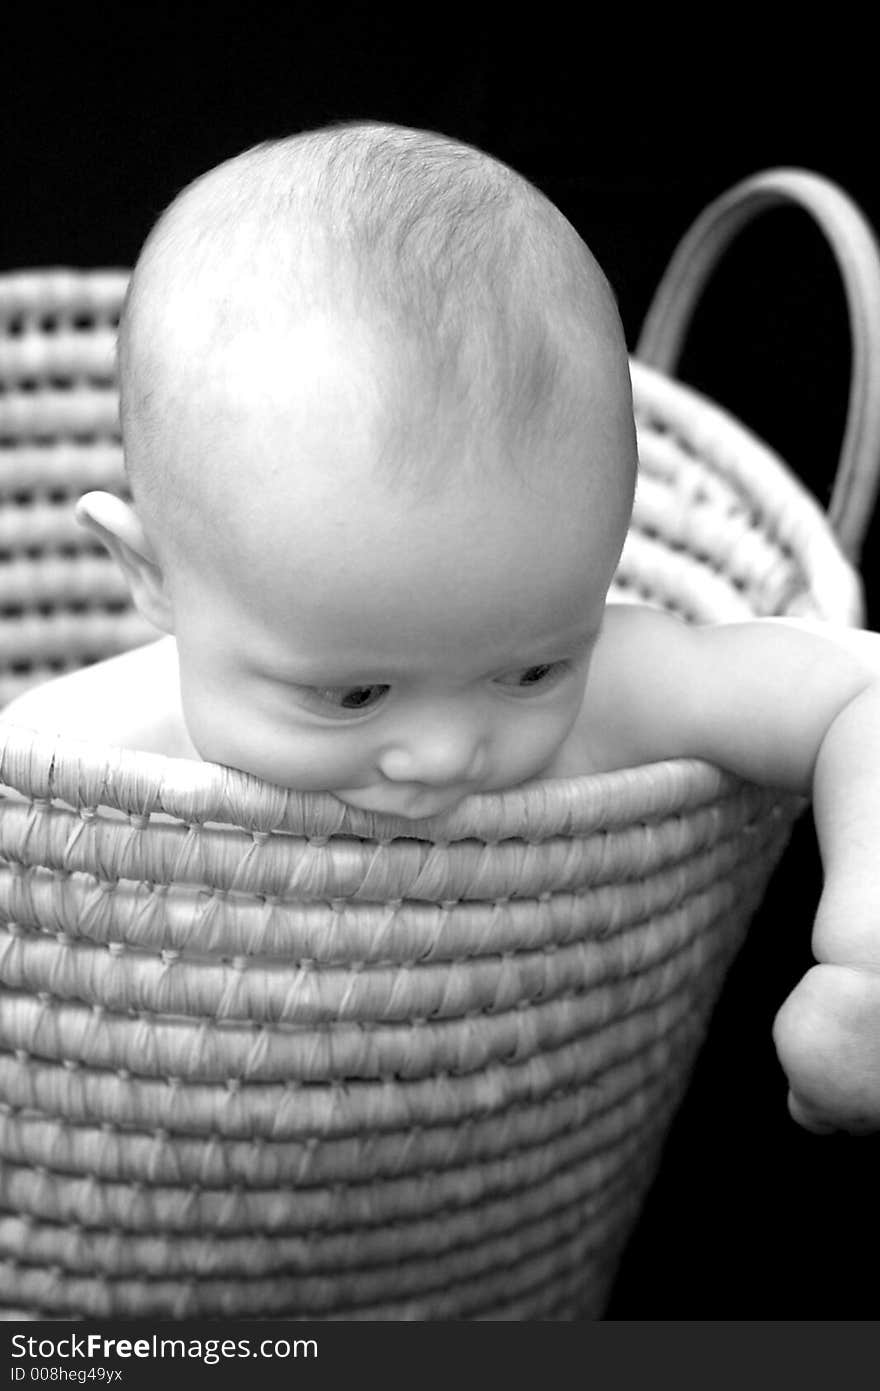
[(486, 290)]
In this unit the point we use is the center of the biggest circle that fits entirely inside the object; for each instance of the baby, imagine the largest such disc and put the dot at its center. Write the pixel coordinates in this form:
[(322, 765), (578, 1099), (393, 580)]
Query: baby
[(378, 426)]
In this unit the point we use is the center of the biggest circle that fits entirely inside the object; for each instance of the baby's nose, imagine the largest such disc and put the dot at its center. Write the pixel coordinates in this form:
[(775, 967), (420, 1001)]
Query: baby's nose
[(438, 755)]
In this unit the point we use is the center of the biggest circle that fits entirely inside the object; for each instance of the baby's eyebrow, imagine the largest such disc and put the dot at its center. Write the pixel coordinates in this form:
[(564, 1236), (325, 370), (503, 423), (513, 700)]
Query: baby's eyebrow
[(578, 640), (590, 635), (553, 648), (316, 674), (305, 671)]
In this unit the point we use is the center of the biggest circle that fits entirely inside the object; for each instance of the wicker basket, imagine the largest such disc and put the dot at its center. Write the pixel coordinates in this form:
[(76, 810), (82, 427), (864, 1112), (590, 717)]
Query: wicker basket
[(263, 1055)]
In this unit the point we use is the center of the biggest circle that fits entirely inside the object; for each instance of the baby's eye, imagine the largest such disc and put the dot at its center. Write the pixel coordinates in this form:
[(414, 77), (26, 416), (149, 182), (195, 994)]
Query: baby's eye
[(342, 701), (538, 677)]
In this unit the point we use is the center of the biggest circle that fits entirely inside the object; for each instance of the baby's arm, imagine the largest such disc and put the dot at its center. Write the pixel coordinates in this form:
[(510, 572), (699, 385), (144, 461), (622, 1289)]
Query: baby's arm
[(827, 1033), (798, 707)]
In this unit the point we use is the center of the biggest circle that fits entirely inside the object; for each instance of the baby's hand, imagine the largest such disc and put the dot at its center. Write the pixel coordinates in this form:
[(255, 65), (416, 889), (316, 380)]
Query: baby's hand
[(827, 1035)]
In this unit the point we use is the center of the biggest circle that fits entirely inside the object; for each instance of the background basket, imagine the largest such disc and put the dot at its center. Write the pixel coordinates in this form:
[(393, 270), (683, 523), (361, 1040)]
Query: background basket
[(263, 1055)]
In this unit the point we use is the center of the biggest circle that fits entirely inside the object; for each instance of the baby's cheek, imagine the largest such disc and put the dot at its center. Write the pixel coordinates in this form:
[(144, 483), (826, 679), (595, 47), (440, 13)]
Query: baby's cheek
[(247, 738), (223, 731), (530, 743)]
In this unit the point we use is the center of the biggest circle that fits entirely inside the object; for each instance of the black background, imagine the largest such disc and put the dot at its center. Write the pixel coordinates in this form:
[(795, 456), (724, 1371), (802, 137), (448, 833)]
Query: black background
[(107, 114)]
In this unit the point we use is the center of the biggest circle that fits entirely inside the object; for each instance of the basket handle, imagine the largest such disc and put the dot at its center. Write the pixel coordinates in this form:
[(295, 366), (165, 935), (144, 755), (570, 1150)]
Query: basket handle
[(858, 258)]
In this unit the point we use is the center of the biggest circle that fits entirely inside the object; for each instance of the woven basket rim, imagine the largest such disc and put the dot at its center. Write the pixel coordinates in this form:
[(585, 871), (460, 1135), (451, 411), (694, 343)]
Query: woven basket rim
[(89, 775)]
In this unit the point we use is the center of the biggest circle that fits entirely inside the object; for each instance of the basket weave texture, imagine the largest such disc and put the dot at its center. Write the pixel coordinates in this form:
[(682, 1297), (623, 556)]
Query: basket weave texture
[(263, 1055)]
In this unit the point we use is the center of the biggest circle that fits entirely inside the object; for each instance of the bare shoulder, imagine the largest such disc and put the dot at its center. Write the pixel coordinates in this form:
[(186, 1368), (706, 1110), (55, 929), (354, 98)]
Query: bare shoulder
[(662, 688), (631, 630), (130, 700), (634, 633), (616, 727)]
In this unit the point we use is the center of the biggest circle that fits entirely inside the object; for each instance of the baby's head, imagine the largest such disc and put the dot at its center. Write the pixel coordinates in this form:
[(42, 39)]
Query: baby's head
[(378, 426)]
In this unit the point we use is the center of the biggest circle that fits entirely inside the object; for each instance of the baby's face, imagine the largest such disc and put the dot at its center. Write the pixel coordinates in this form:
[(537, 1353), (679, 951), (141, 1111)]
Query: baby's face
[(399, 653)]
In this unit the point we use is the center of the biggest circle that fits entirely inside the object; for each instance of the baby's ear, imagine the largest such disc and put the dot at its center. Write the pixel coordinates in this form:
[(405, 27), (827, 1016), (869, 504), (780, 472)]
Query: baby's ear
[(118, 526)]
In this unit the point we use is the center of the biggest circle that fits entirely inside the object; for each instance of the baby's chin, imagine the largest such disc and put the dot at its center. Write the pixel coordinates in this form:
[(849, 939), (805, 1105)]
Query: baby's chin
[(411, 805)]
